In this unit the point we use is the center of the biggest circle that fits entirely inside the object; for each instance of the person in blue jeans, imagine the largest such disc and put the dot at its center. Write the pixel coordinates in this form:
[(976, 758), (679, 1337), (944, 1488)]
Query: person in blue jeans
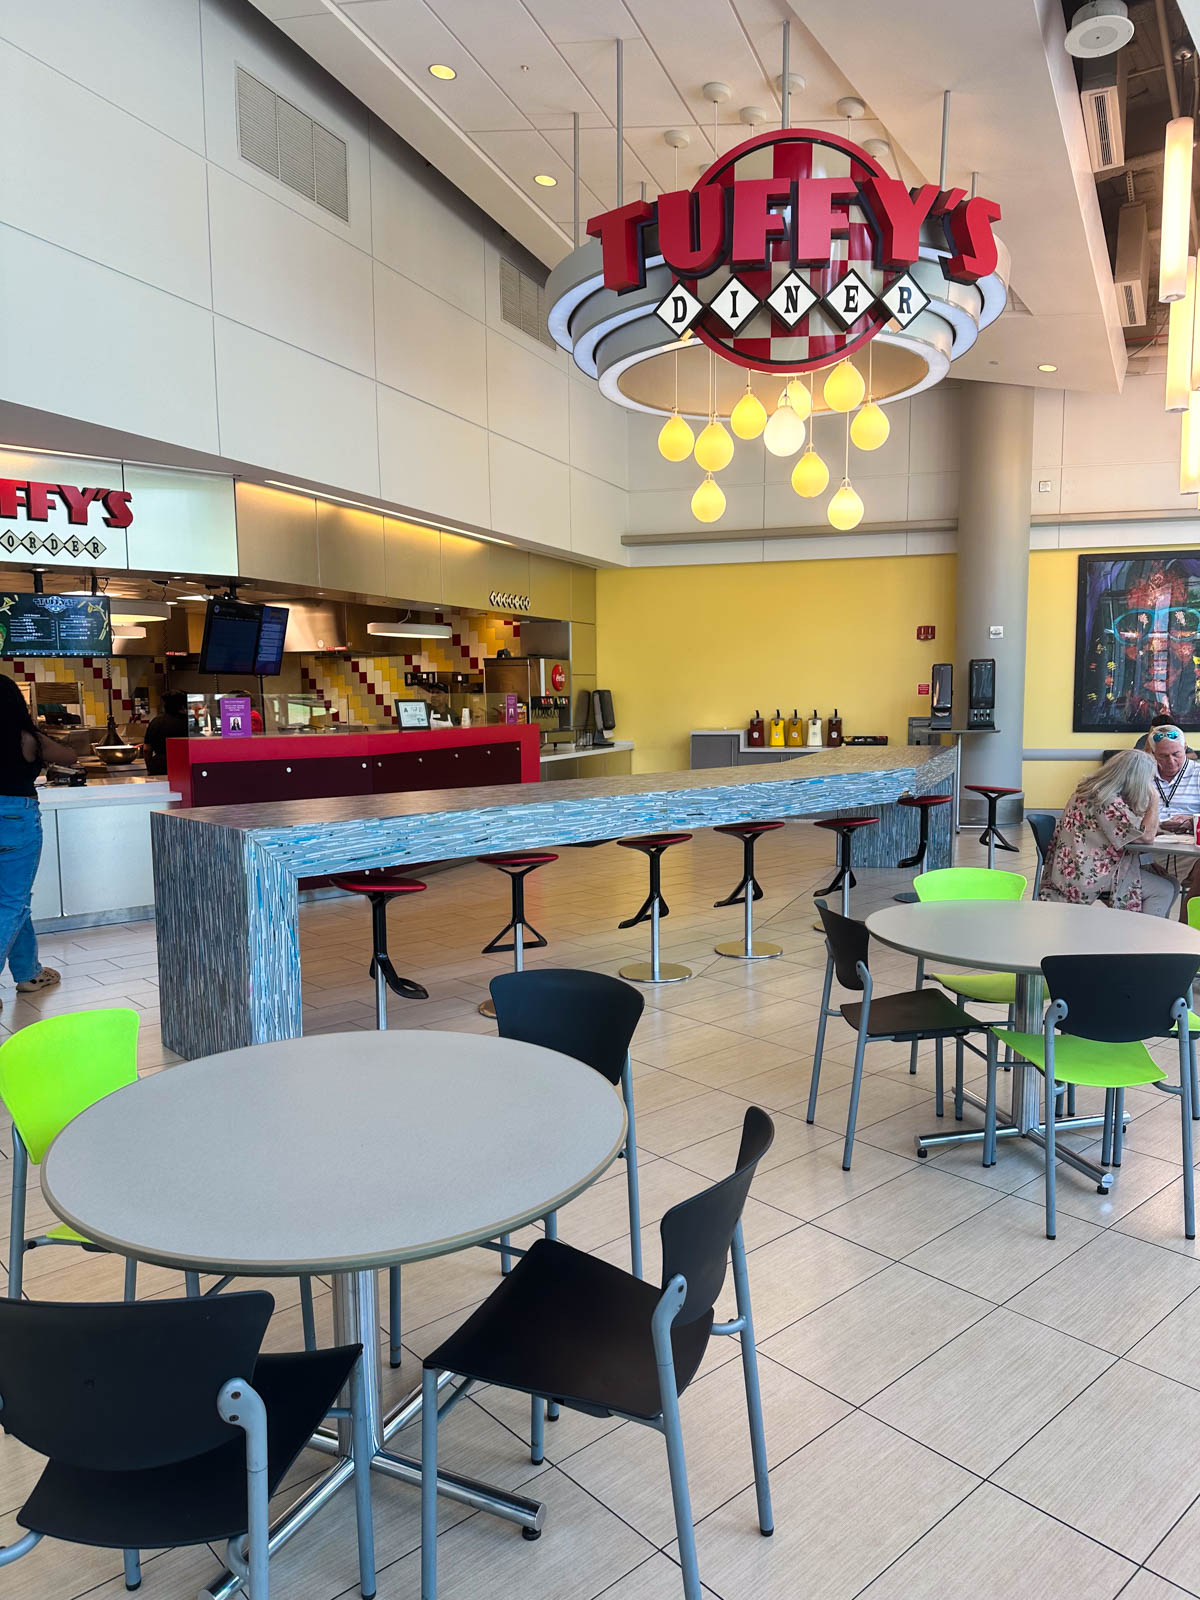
[(24, 750)]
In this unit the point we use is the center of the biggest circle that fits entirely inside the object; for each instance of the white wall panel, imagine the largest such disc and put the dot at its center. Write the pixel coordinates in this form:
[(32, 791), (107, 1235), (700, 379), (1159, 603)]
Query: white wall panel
[(599, 512), (187, 517), (1099, 429), (288, 410), (669, 510), (934, 430), (274, 271), (527, 397), (1048, 410), (932, 497), (432, 461), (235, 35), (1123, 488), (100, 182), (142, 54), (531, 494), (419, 235), (87, 342), (429, 348), (599, 437)]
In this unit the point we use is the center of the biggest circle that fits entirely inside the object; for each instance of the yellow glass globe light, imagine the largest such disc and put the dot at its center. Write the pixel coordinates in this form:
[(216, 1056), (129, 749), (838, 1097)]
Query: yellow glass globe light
[(799, 398), (749, 417), (870, 427), (708, 502), (844, 387), (675, 438), (810, 475), (845, 510), (784, 433), (714, 447)]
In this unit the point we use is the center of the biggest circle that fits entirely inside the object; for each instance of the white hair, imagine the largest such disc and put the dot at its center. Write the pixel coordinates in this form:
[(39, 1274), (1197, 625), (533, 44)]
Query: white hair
[(1126, 776)]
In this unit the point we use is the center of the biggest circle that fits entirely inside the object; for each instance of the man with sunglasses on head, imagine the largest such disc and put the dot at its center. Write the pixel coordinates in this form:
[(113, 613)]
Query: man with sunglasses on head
[(1177, 784)]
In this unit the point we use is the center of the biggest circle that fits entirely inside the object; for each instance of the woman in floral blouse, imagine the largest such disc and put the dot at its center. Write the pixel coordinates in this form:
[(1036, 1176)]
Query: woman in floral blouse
[(1087, 856)]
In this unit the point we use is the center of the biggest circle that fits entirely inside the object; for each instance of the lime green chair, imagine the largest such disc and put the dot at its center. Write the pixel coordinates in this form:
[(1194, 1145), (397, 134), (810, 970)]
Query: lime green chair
[(50, 1072)]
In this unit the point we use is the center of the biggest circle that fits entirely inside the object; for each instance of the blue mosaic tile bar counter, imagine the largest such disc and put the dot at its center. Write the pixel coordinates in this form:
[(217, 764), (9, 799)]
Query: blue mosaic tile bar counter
[(225, 876)]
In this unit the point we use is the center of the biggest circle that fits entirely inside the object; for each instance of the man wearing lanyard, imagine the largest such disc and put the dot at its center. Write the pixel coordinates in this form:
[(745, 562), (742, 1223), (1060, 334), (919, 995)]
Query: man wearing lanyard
[(1177, 782)]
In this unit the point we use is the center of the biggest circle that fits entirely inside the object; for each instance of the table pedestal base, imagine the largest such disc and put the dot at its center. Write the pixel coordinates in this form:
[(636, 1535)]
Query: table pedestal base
[(356, 1321)]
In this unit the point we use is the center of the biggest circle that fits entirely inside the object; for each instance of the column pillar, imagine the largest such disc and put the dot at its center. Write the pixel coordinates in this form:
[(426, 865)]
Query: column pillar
[(996, 466)]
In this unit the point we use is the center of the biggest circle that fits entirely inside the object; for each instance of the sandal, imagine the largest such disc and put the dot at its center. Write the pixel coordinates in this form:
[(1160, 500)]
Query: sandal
[(46, 979)]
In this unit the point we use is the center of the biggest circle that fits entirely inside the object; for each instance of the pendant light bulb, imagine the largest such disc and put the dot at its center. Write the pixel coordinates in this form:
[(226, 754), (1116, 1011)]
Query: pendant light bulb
[(714, 447), (870, 427), (1181, 318), (844, 387), (708, 502), (784, 433), (675, 438), (1189, 447), (799, 398), (845, 510), (749, 416), (810, 475)]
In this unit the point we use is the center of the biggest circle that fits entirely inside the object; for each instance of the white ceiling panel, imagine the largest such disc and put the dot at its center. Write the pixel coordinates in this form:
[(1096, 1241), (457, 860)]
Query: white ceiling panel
[(650, 97), (520, 58), (572, 21), (523, 154), (410, 34)]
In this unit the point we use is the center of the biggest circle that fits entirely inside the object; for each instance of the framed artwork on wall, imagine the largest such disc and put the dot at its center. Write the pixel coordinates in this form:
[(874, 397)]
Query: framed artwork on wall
[(1137, 641)]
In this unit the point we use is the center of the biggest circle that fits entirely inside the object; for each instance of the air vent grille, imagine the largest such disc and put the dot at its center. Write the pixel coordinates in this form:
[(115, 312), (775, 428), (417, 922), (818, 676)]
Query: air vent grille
[(1104, 136), (280, 139), (523, 303), (1131, 306)]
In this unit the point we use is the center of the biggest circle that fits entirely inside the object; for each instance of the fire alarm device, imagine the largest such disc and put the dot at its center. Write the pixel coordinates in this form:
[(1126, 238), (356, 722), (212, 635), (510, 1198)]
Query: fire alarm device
[(922, 688)]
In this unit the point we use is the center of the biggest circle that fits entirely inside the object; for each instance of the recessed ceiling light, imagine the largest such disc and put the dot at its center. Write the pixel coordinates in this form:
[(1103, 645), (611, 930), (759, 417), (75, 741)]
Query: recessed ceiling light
[(1047, 366), (444, 73), (544, 178)]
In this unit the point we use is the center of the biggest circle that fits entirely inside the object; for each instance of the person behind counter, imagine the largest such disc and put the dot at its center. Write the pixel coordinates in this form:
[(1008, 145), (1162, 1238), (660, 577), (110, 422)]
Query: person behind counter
[(171, 723), (23, 753), (1087, 857)]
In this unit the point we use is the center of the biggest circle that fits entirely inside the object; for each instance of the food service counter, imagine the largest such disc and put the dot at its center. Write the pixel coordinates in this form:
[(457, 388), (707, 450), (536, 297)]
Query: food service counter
[(328, 766), (95, 865), (225, 876)]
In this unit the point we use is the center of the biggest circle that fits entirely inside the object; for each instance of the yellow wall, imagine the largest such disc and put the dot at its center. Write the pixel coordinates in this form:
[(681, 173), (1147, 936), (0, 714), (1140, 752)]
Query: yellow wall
[(701, 647)]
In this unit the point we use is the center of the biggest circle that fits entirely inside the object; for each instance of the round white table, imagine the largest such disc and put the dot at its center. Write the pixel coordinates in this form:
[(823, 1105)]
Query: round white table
[(1014, 936), (338, 1154)]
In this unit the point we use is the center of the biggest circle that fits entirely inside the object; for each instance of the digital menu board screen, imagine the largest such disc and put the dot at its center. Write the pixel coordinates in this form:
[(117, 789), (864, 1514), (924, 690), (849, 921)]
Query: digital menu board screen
[(230, 641), (271, 634), (54, 625)]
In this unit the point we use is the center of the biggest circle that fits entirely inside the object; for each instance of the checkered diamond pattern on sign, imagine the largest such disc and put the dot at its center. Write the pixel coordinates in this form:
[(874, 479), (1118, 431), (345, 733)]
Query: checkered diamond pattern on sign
[(816, 338)]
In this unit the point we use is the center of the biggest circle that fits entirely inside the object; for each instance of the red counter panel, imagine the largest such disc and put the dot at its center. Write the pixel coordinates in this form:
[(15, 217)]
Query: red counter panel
[(313, 766)]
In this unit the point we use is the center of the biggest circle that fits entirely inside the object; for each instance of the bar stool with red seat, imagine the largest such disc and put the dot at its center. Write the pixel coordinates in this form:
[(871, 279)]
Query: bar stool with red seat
[(991, 836), (843, 878), (380, 886), (518, 864), (923, 804), (653, 909), (746, 893)]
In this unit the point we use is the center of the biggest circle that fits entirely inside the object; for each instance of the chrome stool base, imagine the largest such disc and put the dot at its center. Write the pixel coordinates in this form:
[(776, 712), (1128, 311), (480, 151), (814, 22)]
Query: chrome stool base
[(487, 1008), (759, 950), (643, 972)]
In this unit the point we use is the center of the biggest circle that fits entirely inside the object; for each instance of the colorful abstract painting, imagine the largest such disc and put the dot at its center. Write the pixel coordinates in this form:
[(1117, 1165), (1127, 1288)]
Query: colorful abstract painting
[(1137, 641)]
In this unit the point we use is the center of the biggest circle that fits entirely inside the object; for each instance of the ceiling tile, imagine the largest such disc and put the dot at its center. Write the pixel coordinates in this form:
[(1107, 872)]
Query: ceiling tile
[(573, 21), (517, 54), (649, 95)]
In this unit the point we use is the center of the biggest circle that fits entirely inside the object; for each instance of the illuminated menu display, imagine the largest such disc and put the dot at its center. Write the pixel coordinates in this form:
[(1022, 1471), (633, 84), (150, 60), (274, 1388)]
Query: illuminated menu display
[(54, 625)]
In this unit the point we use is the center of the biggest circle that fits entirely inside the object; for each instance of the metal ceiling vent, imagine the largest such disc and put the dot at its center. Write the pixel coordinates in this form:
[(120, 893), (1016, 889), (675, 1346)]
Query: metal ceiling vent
[(523, 303), (280, 139)]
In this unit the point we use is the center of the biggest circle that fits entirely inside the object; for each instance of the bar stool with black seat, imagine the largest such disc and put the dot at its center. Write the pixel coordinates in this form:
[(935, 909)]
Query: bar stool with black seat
[(163, 1425), (746, 893), (843, 879), (591, 1017), (1042, 825), (912, 1016), (518, 864), (923, 804), (380, 886), (569, 1328), (1102, 1010), (991, 836), (653, 909)]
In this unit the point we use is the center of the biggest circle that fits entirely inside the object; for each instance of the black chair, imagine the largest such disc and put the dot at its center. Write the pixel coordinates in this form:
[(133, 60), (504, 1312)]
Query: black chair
[(591, 1017), (1042, 825), (569, 1328), (911, 1016), (163, 1425), (1101, 1011)]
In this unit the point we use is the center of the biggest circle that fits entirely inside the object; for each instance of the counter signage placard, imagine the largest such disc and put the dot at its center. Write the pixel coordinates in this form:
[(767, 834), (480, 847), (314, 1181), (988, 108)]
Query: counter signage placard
[(36, 625), (235, 716)]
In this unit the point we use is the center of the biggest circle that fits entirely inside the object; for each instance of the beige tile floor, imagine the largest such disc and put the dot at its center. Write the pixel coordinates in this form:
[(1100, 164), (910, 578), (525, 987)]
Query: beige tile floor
[(955, 1406)]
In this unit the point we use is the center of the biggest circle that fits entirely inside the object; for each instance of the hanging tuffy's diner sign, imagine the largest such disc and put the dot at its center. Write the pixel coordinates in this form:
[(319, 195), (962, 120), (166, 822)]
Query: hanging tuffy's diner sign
[(796, 248), (67, 509)]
